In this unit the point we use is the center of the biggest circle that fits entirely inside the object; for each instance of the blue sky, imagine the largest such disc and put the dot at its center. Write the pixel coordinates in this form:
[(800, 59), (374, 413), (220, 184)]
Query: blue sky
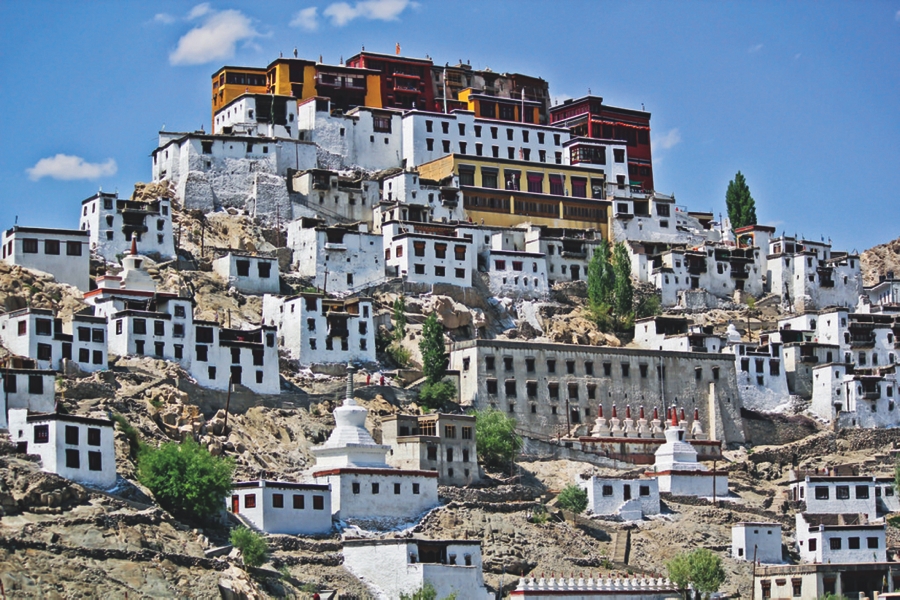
[(802, 97)]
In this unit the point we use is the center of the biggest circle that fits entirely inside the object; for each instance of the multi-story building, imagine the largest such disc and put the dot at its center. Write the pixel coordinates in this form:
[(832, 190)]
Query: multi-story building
[(249, 273), (113, 222), (885, 294), (839, 538), (812, 581), (26, 388), (340, 258), (246, 172), (435, 442), (848, 398), (589, 117), (507, 193), (361, 138), (407, 197), (334, 198), (676, 334), (315, 329), (258, 115), (36, 334), (428, 253), (566, 251), (346, 86), (282, 507), (405, 83), (63, 253), (78, 448), (230, 82), (553, 387), (392, 568), (720, 270)]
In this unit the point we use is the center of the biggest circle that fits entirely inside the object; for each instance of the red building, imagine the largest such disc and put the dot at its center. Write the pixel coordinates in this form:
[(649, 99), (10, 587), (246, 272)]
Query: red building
[(406, 83), (589, 117)]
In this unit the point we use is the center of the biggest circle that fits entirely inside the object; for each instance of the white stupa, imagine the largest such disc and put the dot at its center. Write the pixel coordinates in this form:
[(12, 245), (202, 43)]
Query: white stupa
[(678, 470), (350, 444), (364, 488)]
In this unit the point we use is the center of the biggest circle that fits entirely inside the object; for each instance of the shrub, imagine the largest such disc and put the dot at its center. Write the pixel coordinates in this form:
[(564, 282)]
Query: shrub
[(572, 498), (496, 437), (185, 478), (426, 592), (436, 395), (252, 545), (398, 354), (135, 444)]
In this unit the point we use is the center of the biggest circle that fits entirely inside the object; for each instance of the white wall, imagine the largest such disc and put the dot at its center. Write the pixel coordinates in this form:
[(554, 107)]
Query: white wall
[(759, 540), (290, 519), (336, 199), (262, 275), (697, 484), (30, 389), (53, 453), (529, 281), (70, 264), (806, 491), (428, 267), (823, 551), (606, 497), (386, 504), (241, 115), (349, 140), (358, 254), (104, 217), (43, 334)]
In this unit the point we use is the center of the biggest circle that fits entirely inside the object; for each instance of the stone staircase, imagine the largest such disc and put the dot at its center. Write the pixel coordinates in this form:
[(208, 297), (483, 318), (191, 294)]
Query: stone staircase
[(621, 547)]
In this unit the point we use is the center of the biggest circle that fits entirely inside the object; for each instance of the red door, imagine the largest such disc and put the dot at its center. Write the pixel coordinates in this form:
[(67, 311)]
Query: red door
[(235, 504)]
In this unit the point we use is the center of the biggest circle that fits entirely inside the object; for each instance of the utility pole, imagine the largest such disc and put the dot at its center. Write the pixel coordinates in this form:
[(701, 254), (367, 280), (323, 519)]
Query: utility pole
[(568, 425), (227, 404)]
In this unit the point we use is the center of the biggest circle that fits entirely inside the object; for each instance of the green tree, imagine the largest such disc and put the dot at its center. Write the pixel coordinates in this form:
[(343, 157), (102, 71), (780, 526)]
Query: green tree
[(434, 354), (399, 318), (700, 569), (436, 395), (252, 545), (573, 498), (496, 437), (185, 478), (740, 204), (624, 288), (426, 592), (601, 278)]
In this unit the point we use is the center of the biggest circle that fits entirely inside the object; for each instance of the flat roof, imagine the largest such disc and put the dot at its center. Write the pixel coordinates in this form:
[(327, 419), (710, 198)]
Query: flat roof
[(47, 230), (34, 417), (287, 485), (579, 348)]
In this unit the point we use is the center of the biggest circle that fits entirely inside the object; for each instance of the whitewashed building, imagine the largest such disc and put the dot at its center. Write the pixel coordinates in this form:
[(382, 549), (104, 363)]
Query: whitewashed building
[(113, 222), (78, 448), (435, 442), (334, 198), (407, 197), (761, 373), (885, 293), (813, 581), (248, 173), (143, 322), (63, 253), (839, 538), (809, 275), (315, 329), (29, 389), (676, 334), (428, 136), (251, 274), (340, 258), (626, 499), (259, 115), (428, 253), (847, 398), (363, 137), (566, 251), (36, 334), (837, 494), (513, 274), (718, 269), (757, 541), (363, 486), (391, 567), (282, 507)]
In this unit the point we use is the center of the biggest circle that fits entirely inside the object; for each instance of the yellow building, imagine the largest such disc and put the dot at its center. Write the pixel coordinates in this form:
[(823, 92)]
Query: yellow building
[(507, 193), (501, 109), (346, 87), (230, 82)]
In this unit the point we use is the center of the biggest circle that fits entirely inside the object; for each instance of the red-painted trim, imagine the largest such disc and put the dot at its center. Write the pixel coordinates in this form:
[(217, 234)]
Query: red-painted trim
[(365, 471)]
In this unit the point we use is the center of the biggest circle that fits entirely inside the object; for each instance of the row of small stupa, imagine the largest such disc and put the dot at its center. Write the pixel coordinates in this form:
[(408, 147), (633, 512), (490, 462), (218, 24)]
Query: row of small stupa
[(642, 428)]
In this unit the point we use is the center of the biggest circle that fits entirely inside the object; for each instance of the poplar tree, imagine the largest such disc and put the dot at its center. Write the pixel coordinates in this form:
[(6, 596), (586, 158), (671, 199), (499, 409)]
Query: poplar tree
[(740, 204), (624, 289), (601, 278)]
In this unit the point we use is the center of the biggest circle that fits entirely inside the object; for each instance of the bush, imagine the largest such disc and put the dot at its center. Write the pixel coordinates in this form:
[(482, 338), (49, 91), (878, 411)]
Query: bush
[(573, 498), (436, 395), (135, 444), (426, 592), (496, 437), (185, 478), (252, 545), (398, 354)]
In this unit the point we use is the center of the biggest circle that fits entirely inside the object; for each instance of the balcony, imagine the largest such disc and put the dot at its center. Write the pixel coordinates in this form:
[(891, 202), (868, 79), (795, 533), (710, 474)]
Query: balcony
[(335, 246)]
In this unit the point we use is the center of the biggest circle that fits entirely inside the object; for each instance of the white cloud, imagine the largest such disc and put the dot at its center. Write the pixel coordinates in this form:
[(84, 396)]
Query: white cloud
[(342, 13), (306, 19), (755, 49), (214, 39), (670, 139), (199, 11), (67, 167), (897, 16), (164, 18)]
